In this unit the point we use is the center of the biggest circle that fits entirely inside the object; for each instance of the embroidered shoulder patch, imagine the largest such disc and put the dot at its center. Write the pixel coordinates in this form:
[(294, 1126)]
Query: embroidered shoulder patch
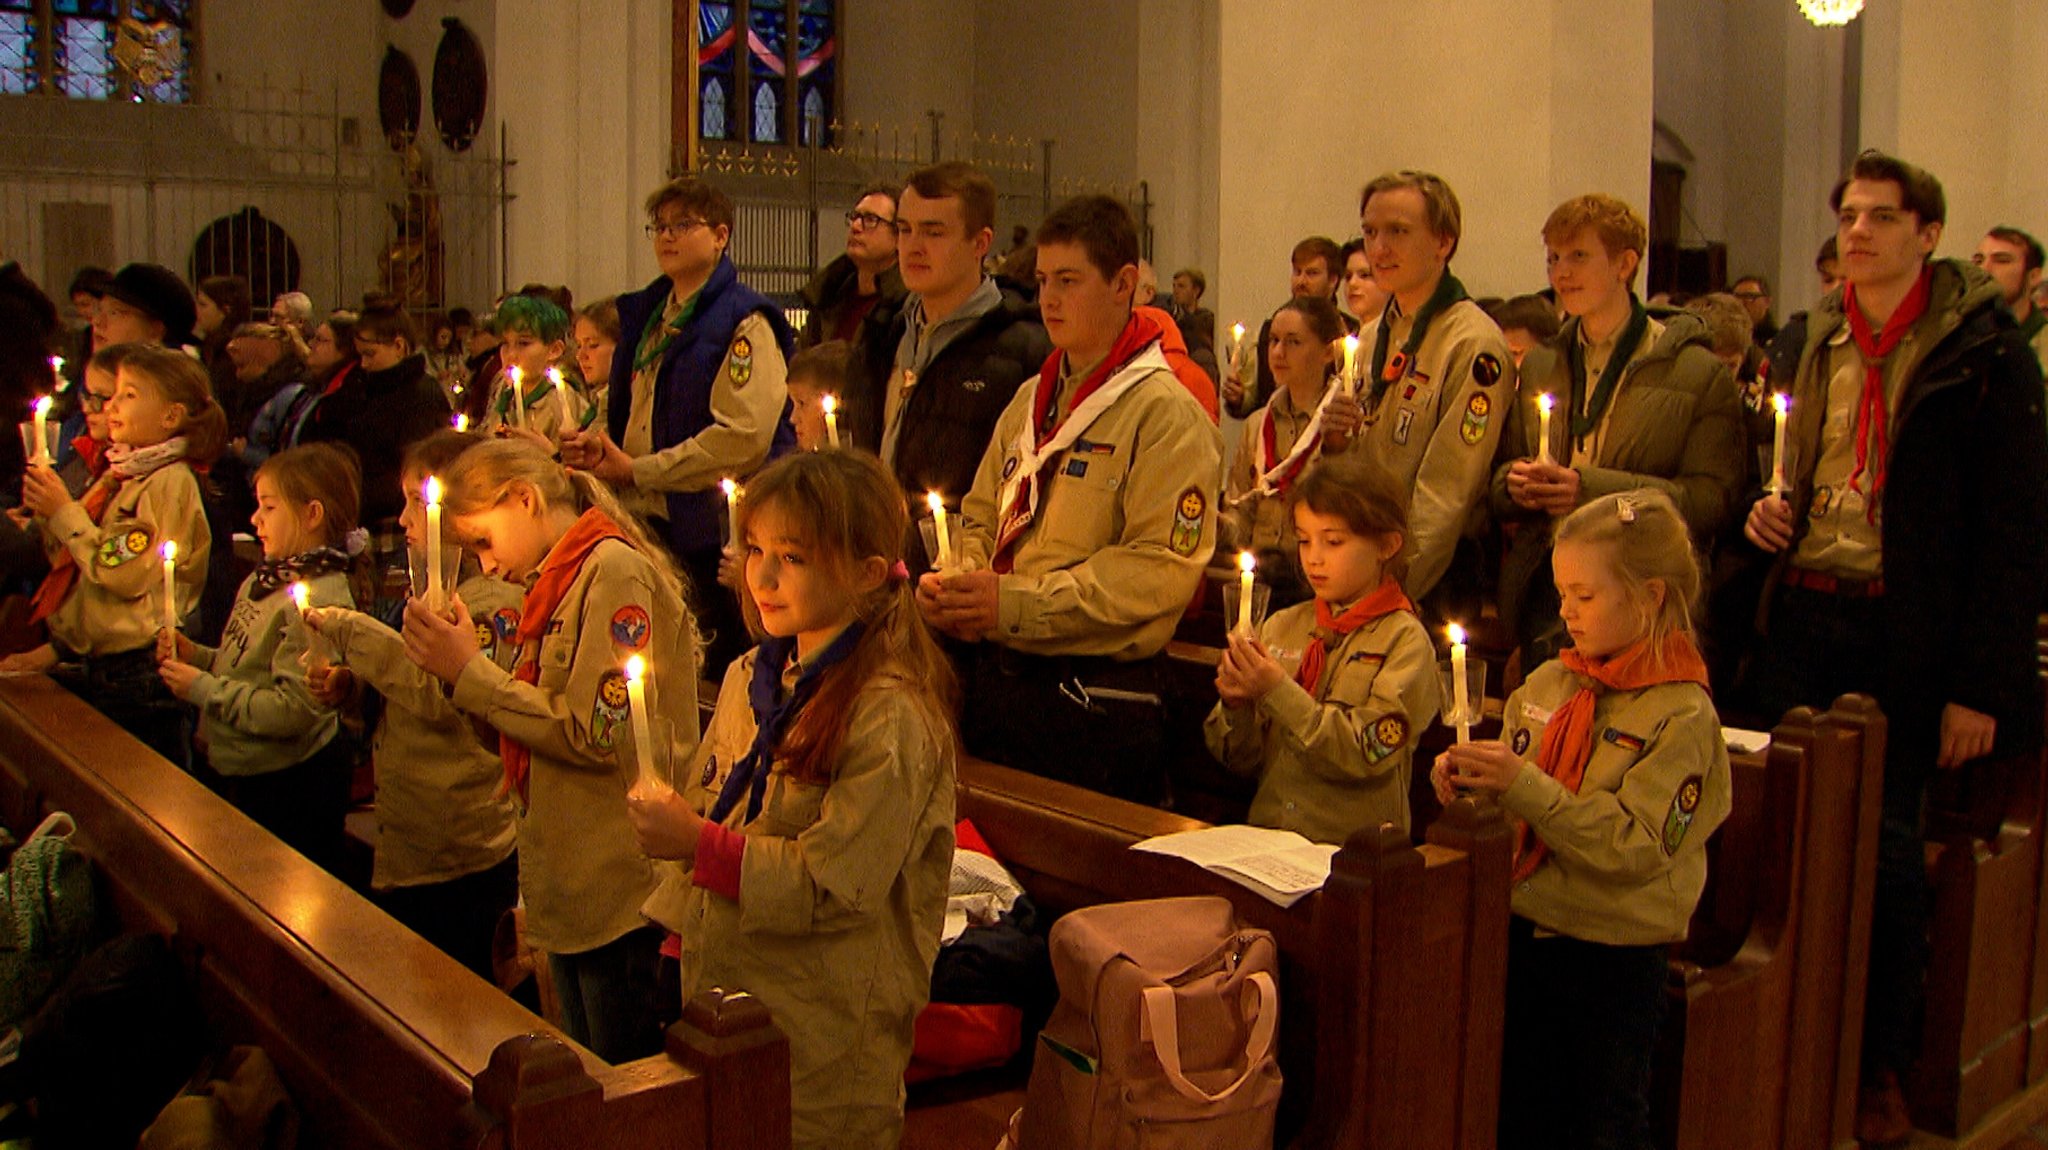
[(1486, 369), (1477, 410), (505, 621), (486, 639), (1385, 737), (1521, 741), (741, 360), (630, 627), (1683, 805), (118, 549), (1402, 422), (710, 771), (608, 710), (1187, 521)]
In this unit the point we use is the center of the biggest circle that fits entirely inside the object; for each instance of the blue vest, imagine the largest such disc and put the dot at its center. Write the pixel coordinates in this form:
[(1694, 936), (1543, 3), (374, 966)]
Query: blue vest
[(682, 395)]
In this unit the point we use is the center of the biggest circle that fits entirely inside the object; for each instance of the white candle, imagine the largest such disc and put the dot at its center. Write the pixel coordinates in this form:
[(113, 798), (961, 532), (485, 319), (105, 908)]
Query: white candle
[(1236, 343), (643, 744), (1543, 405), (831, 405), (562, 397), (1246, 564), (1782, 403), (43, 430), (732, 510), (938, 506), (518, 398), (1350, 366), (57, 380), (432, 493), (170, 553), (1461, 695)]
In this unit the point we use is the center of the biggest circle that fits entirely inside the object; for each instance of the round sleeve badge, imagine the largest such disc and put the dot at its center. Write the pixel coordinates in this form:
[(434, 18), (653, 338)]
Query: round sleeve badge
[(740, 361), (1486, 369), (630, 627), (1477, 410)]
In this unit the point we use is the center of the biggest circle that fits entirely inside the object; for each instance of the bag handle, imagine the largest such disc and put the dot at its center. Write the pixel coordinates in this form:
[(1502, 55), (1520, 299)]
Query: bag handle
[(58, 823), (1162, 1026)]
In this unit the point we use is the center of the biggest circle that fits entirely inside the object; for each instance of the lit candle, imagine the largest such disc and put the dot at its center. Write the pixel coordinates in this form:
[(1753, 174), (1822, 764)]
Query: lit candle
[(170, 553), (732, 510), (1543, 405), (643, 744), (562, 396), (938, 506), (518, 397), (831, 405), (43, 430), (57, 371), (1350, 366), (316, 651), (462, 421), (432, 493), (1236, 343), (1782, 403), (1246, 564), (1461, 694)]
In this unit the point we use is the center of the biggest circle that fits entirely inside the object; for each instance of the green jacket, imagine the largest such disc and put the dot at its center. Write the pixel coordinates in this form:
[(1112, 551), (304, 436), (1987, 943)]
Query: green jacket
[(1674, 425)]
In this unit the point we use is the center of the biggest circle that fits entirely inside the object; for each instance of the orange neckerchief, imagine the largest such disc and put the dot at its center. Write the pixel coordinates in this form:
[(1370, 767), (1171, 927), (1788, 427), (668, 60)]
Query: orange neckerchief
[(557, 572), (1873, 421), (1568, 739), (63, 576), (1385, 599)]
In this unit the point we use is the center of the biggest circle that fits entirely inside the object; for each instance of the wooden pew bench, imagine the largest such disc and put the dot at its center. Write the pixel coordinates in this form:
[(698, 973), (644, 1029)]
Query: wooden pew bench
[(1392, 976), (381, 1039)]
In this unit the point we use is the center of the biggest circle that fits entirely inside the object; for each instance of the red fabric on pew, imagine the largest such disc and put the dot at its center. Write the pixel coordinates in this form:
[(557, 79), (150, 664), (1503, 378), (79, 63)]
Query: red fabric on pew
[(951, 1038)]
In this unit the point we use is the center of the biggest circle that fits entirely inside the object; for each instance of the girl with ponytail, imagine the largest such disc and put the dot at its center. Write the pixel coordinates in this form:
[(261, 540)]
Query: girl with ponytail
[(599, 592)]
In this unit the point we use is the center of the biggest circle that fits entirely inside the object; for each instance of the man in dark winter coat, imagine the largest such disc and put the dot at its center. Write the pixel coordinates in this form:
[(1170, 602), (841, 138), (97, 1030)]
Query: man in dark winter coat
[(857, 295), (1912, 547)]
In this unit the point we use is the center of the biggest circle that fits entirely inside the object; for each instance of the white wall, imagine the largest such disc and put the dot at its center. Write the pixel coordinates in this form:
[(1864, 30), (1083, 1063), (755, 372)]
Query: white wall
[(906, 58), (1064, 70)]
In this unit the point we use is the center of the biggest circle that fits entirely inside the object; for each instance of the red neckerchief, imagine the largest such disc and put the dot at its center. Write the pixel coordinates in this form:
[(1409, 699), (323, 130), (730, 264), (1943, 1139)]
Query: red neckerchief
[(340, 377), (63, 576), (93, 451), (1384, 600), (1568, 739), (557, 572), (1871, 417), (1138, 334)]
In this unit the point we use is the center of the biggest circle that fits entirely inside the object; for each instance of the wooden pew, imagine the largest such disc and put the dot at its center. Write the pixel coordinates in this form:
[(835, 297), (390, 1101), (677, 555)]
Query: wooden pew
[(1392, 976), (381, 1039), (1760, 1046)]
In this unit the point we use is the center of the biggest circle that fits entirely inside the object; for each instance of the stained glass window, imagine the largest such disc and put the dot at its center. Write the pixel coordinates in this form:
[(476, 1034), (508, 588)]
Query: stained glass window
[(136, 50), (767, 70)]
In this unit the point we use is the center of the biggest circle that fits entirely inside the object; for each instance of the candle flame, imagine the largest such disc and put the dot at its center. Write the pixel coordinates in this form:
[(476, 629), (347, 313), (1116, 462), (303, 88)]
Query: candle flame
[(1350, 346), (1457, 635), (731, 489), (1237, 331), (517, 375), (1781, 401), (636, 668), (56, 365), (829, 402), (1545, 402), (933, 501), (555, 377), (432, 490), (43, 405), (1246, 561), (462, 422), (169, 551), (302, 595)]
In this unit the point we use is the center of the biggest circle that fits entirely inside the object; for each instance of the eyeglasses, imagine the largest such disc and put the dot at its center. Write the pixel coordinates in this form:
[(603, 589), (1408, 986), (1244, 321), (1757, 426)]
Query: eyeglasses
[(674, 231), (1746, 296), (93, 402), (867, 221)]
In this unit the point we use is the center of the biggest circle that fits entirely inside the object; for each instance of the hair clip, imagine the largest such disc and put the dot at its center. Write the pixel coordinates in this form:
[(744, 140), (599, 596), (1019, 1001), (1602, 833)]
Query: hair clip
[(1626, 508), (900, 572), (355, 541)]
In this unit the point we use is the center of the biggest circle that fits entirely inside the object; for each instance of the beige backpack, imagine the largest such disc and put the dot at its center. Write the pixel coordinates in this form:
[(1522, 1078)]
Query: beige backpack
[(1163, 1037)]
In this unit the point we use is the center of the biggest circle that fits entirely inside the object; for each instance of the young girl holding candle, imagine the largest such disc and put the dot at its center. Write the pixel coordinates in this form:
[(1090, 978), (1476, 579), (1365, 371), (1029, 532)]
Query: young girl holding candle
[(817, 830), (535, 351), (445, 831), (103, 598), (601, 591), (1612, 764), (282, 759), (1334, 742)]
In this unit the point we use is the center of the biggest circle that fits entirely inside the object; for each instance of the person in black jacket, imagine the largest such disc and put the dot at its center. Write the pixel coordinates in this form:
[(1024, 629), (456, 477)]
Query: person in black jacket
[(386, 405), (860, 292), (929, 394), (1930, 605)]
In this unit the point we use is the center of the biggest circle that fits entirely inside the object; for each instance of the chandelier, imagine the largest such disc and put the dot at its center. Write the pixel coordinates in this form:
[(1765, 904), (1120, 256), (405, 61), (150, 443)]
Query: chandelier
[(1830, 13)]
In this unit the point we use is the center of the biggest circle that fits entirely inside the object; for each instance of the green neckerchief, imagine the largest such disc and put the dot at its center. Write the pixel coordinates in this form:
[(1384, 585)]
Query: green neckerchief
[(1448, 291), (2032, 325), (1583, 422), (650, 354), (534, 396)]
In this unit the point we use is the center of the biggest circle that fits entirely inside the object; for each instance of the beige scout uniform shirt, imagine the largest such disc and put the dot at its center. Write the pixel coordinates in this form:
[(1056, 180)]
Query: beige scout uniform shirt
[(117, 605), (581, 871), (1338, 760), (1260, 522), (1629, 851), (1126, 521), (842, 896), (1840, 538), (255, 712), (747, 399), (545, 415), (1596, 356), (439, 813), (1436, 428)]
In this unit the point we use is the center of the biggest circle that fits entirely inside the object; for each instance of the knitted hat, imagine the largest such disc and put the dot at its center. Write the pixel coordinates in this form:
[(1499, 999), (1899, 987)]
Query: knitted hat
[(159, 293)]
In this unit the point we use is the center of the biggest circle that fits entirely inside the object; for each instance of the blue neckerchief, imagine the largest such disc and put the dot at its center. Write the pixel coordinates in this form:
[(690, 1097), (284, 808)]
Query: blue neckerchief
[(750, 775)]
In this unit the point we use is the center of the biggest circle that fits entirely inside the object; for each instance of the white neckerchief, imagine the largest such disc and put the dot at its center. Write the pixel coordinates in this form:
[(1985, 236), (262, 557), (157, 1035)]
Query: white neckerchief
[(1031, 458), (1311, 437)]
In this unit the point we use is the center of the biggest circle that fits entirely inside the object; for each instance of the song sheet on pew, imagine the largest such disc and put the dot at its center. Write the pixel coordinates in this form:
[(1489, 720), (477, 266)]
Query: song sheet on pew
[(1741, 742), (1279, 866)]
